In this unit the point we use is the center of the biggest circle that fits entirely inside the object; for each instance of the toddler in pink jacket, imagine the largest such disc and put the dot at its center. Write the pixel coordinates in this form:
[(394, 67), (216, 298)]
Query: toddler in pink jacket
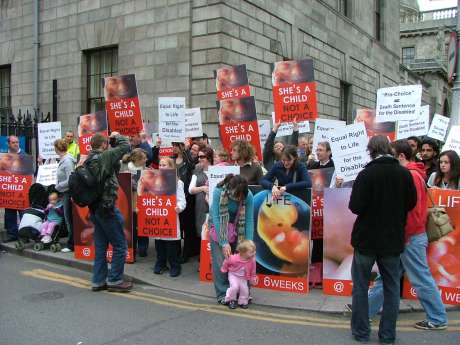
[(241, 269)]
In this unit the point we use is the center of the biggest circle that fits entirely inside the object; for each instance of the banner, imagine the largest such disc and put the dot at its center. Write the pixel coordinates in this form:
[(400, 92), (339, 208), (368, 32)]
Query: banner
[(171, 118), (399, 103), (322, 129), (373, 128), (193, 125), (338, 252), (320, 179), (88, 125), (294, 91), (232, 82), (287, 128), (444, 255), (156, 204), (122, 104), (415, 128), (47, 174), (16, 175), (439, 127), (166, 151), (349, 149), (83, 228), (282, 237), (48, 133), (453, 140), (217, 173)]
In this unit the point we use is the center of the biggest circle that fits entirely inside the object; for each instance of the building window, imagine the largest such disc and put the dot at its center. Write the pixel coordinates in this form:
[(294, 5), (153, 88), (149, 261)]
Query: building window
[(344, 7), (100, 63), (378, 19), (408, 55), (5, 90), (345, 101)]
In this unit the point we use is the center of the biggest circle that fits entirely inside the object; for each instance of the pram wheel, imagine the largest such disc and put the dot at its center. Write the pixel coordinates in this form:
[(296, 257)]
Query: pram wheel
[(55, 247), (19, 245), (39, 246)]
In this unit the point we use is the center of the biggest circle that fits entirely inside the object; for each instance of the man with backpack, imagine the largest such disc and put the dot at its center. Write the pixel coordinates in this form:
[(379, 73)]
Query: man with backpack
[(104, 164)]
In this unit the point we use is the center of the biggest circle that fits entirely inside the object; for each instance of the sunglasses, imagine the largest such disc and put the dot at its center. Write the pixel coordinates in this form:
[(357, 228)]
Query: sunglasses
[(202, 157)]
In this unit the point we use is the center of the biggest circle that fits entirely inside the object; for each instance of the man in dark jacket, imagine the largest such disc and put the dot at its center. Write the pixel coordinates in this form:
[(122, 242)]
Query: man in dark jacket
[(106, 217), (382, 195)]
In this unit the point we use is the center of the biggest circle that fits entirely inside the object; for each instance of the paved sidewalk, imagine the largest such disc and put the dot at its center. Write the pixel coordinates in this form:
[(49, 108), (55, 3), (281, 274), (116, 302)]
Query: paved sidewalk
[(188, 282)]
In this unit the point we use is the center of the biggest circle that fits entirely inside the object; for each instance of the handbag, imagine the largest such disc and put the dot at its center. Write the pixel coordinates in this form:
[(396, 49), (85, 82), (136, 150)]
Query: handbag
[(232, 233), (438, 222)]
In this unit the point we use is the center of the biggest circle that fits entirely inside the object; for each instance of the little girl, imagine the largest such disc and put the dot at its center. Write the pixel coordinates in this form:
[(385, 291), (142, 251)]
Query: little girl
[(54, 216), (241, 268)]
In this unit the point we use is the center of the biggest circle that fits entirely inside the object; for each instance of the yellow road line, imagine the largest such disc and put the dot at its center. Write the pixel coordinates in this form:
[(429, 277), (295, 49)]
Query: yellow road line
[(248, 314)]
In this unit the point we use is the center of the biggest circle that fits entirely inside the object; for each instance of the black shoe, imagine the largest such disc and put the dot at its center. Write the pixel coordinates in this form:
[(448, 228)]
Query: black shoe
[(122, 287), (159, 269), (243, 306), (232, 305), (99, 288), (222, 301), (174, 271)]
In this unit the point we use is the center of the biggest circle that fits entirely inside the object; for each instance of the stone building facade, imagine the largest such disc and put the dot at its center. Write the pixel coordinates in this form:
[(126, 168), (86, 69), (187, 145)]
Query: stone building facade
[(173, 47)]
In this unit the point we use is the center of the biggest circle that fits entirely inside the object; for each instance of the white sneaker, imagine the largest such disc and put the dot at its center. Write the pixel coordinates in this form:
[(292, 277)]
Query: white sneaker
[(65, 250), (46, 239)]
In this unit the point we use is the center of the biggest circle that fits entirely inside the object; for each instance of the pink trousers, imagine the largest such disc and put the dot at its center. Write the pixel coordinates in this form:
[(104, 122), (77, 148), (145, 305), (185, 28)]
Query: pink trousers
[(239, 286), (47, 228)]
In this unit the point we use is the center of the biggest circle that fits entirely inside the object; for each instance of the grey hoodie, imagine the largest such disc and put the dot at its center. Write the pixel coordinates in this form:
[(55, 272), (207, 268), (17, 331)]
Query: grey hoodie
[(65, 168)]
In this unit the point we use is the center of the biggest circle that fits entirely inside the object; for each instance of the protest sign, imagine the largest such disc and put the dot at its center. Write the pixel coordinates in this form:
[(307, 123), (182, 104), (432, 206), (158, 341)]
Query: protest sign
[(83, 228), (349, 149), (320, 179), (166, 151), (373, 128), (156, 203), (338, 252), (47, 174), (16, 175), (217, 173), (416, 128), (453, 140), (439, 127), (443, 256), (193, 125), (232, 82), (171, 125), (398, 103), (48, 133), (264, 131), (294, 91), (88, 125), (287, 128), (282, 237), (4, 143), (322, 129), (122, 104)]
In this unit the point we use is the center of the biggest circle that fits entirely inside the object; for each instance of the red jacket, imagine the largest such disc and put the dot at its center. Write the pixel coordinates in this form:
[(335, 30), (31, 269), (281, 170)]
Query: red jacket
[(416, 218)]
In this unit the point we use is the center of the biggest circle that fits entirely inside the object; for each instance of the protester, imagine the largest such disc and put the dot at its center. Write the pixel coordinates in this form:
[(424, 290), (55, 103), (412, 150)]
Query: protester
[(199, 187), (54, 217), (304, 149), (203, 140), (195, 147), (221, 157), (273, 149), (11, 215), (429, 155), (72, 146), (289, 173), (168, 250), (416, 145), (241, 269), (447, 174), (323, 154), (242, 152), (134, 162), (414, 259), (232, 208), (137, 143), (65, 168), (106, 217), (382, 195)]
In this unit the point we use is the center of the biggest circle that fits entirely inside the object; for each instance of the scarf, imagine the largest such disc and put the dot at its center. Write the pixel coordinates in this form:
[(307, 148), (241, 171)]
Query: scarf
[(225, 217)]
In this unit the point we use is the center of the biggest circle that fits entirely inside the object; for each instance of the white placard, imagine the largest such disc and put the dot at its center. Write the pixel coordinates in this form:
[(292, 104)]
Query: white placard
[(286, 128), (264, 131), (414, 128), (48, 132), (453, 140), (171, 118), (217, 173), (193, 124), (439, 127), (349, 150), (322, 129), (47, 174), (398, 103)]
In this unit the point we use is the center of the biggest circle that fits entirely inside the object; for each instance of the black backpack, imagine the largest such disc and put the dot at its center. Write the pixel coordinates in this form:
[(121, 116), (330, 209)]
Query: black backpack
[(84, 186)]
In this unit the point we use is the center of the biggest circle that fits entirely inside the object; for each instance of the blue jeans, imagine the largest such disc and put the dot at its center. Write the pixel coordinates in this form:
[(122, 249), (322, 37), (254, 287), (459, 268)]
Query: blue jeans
[(11, 223), (415, 264), (389, 267), (220, 279), (108, 229)]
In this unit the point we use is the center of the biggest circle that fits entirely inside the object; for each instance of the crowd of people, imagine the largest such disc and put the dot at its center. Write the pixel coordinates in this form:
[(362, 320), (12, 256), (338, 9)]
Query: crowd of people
[(393, 183)]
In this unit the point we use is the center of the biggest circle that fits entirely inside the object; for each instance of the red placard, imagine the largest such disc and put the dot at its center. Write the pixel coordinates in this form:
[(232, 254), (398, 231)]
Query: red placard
[(248, 131), (236, 92), (88, 125), (387, 129), (295, 101), (232, 82), (205, 261), (320, 179), (14, 190), (337, 287), (166, 151), (283, 283)]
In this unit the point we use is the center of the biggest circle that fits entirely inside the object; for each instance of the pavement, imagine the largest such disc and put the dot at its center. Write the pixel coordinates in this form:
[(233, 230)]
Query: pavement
[(188, 283)]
